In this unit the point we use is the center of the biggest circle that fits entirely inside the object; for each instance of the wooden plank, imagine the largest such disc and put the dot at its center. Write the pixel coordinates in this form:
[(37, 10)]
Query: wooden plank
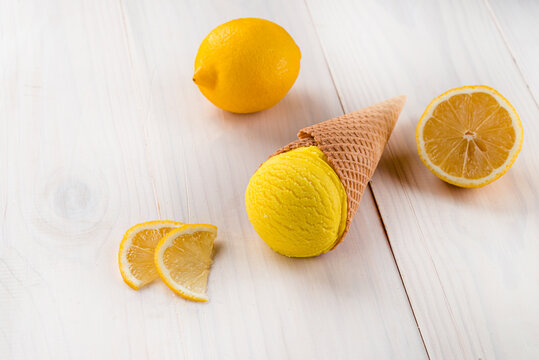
[(102, 128), (75, 174), (228, 149), (468, 258), (518, 26)]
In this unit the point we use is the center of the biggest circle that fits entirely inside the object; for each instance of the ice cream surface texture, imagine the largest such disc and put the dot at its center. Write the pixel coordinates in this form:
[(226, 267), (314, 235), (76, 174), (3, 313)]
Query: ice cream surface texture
[(297, 203)]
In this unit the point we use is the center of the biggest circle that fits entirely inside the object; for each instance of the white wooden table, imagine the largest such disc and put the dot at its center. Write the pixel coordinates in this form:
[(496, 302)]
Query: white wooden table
[(102, 128)]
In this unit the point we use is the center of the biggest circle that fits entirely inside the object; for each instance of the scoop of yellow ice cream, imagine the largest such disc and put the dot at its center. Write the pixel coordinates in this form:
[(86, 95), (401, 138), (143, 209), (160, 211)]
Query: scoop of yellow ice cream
[(297, 203)]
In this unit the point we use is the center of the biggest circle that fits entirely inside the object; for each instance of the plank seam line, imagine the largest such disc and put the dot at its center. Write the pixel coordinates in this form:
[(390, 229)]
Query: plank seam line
[(147, 147), (324, 56), (370, 184), (145, 119), (399, 271), (510, 50), (422, 237), (186, 187)]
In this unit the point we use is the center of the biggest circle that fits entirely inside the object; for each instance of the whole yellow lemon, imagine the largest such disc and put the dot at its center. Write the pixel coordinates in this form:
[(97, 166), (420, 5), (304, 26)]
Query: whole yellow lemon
[(246, 65)]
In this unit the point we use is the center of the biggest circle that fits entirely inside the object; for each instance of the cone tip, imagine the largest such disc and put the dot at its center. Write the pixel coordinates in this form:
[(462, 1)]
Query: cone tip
[(401, 97), (397, 101), (400, 100)]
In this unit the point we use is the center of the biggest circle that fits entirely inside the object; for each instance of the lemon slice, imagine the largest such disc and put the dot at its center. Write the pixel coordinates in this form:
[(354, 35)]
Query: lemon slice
[(137, 251), (183, 259), (469, 136)]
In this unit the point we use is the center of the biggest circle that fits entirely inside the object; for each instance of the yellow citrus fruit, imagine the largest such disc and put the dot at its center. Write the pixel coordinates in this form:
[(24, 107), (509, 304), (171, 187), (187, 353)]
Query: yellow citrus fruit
[(469, 136), (136, 255), (183, 259), (246, 65)]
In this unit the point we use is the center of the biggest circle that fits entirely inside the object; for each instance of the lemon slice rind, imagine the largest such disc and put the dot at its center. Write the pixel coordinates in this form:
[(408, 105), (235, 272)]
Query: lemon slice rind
[(127, 242), (497, 172), (165, 272)]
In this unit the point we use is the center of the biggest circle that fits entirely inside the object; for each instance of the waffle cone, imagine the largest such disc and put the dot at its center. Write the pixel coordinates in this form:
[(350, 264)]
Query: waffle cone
[(353, 144)]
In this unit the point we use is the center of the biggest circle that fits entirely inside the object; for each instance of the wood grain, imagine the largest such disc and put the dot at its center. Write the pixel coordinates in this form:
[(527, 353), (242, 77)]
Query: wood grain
[(517, 25), (468, 258), (101, 129)]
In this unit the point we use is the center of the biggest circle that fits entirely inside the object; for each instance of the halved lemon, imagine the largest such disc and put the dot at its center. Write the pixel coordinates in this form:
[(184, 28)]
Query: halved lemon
[(469, 136), (183, 259), (136, 255)]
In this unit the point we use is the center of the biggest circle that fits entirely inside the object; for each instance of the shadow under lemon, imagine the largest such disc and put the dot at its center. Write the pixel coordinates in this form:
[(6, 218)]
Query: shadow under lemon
[(401, 168)]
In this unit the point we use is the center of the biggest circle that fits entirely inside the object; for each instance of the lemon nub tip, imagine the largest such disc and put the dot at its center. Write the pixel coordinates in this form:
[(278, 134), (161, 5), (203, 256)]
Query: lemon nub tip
[(204, 77)]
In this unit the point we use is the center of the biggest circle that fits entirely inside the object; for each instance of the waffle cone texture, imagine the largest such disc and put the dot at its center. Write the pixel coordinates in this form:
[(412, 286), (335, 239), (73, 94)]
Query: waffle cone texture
[(353, 144)]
